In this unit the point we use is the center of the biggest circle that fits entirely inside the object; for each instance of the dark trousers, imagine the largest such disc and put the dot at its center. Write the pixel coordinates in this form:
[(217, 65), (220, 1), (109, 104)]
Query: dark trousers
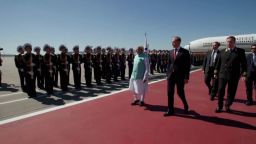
[(40, 80), (97, 74), (108, 73), (49, 83), (152, 68), (130, 67), (64, 80), (159, 67), (174, 80), (30, 85), (232, 87), (88, 75), (22, 80), (116, 72), (122, 70), (250, 82), (103, 74), (211, 83), (56, 77), (77, 78)]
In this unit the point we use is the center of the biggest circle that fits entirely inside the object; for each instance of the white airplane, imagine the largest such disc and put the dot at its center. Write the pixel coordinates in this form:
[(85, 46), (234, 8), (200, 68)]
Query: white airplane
[(200, 47)]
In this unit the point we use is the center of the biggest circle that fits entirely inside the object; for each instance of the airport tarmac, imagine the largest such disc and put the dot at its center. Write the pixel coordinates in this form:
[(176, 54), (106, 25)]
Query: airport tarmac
[(14, 102)]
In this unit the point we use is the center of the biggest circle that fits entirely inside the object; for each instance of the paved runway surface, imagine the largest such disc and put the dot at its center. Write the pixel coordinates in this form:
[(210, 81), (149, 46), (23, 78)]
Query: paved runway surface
[(112, 120), (13, 102)]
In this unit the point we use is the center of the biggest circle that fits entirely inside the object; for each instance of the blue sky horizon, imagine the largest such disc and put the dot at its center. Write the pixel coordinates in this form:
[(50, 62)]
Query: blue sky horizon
[(120, 23)]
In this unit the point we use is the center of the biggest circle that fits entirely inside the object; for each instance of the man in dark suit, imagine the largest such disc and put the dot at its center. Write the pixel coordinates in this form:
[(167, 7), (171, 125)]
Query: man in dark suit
[(230, 65), (208, 69), (177, 74), (251, 75)]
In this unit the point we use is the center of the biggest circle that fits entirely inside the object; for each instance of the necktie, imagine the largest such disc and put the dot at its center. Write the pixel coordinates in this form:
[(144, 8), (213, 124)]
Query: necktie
[(212, 58), (174, 54), (254, 59)]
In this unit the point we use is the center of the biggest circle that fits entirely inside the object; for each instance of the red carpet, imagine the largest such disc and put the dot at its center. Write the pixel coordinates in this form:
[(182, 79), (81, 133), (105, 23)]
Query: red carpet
[(112, 120)]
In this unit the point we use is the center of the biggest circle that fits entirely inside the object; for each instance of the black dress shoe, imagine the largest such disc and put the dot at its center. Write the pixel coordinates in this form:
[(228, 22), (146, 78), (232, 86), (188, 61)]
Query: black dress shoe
[(169, 113), (249, 103), (142, 103), (135, 102), (212, 98), (186, 111), (218, 110), (227, 109)]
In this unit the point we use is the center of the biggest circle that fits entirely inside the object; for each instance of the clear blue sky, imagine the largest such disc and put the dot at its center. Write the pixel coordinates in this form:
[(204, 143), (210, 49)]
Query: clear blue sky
[(120, 23)]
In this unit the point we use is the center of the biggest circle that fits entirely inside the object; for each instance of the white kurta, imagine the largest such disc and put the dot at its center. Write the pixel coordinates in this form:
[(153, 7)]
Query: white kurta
[(138, 86)]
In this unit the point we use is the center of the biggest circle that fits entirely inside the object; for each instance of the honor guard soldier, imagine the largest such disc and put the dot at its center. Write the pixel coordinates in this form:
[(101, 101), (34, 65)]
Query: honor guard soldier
[(19, 63), (76, 60), (165, 61), (153, 60), (55, 68), (122, 63), (66, 50), (87, 59), (129, 59), (116, 64), (103, 62), (39, 74), (97, 65), (30, 70), (159, 61), (63, 62), (251, 76), (109, 65), (48, 61)]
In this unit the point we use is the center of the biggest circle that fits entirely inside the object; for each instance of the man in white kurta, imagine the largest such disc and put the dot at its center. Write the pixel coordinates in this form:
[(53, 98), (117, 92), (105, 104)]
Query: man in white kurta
[(139, 77)]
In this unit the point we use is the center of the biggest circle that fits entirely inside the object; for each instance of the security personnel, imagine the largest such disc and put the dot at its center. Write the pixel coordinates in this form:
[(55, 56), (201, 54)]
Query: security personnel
[(63, 62), (251, 76), (19, 63), (76, 60), (229, 68), (129, 59), (30, 70), (208, 69), (97, 65), (122, 64), (39, 73), (109, 65), (48, 65), (87, 60), (55, 68)]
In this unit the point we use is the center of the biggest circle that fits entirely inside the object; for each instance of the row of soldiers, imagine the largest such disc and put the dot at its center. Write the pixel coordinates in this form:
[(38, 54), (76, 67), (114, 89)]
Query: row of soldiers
[(158, 61), (45, 68), (107, 64)]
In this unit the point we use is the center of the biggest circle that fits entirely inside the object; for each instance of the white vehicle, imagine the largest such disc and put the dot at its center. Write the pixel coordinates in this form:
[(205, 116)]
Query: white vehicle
[(200, 47)]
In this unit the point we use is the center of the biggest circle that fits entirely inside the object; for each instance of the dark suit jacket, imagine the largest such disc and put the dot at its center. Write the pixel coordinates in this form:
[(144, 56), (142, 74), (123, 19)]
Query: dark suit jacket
[(251, 68), (207, 61), (231, 65), (180, 67)]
